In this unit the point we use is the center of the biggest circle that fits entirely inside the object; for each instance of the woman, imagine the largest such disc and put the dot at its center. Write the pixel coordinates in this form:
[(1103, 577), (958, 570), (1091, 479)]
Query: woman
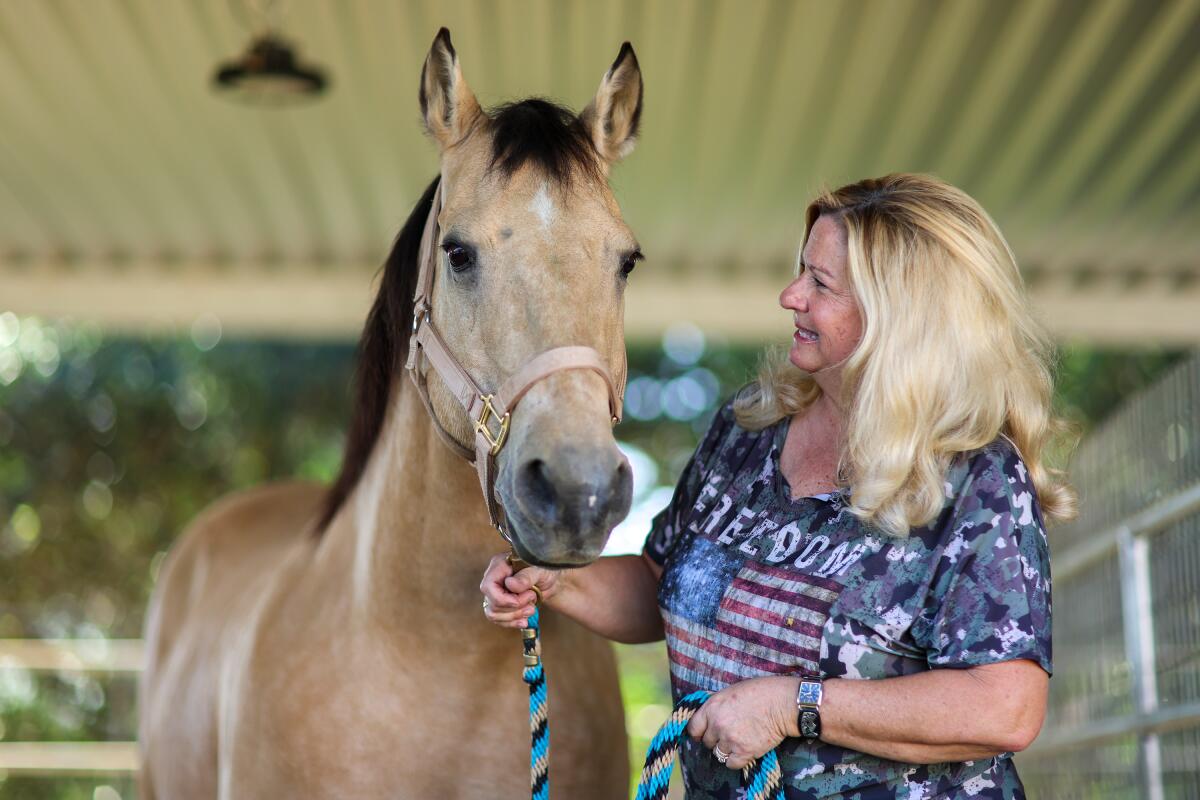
[(854, 560)]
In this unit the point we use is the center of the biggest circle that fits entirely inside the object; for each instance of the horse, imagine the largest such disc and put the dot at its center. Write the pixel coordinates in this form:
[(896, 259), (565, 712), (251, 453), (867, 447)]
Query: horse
[(328, 642)]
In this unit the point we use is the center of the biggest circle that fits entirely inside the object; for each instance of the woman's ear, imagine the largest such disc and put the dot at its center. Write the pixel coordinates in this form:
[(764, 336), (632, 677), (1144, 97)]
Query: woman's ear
[(447, 103), (612, 117)]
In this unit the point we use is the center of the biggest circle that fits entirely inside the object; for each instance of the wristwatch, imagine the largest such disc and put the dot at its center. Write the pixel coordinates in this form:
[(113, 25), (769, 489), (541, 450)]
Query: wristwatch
[(808, 706)]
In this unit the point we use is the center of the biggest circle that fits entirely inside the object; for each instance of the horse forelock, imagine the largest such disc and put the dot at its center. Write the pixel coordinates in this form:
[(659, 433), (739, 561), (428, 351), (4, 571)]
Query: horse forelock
[(545, 135)]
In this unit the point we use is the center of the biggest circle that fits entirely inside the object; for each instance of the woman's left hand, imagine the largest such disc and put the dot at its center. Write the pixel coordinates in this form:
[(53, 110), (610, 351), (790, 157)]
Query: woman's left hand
[(747, 719)]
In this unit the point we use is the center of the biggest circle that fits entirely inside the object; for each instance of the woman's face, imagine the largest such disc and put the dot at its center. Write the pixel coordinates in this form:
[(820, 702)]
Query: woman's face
[(828, 323)]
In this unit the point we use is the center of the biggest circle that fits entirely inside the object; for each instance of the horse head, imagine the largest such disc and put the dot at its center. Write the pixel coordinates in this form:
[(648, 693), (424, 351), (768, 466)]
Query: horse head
[(534, 255)]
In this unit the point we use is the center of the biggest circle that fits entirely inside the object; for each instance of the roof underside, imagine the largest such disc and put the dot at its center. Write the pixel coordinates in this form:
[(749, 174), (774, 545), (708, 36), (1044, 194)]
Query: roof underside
[(131, 193)]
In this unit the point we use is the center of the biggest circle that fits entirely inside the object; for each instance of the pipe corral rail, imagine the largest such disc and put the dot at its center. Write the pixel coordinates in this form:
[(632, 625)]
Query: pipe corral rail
[(1124, 716), (70, 655)]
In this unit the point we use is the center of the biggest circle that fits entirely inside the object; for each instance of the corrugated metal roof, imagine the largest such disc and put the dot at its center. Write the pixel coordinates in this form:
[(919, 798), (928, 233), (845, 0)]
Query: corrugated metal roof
[(131, 192)]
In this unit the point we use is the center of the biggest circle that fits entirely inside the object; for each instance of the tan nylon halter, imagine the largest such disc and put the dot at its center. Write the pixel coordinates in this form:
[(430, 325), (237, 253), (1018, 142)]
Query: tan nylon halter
[(490, 413)]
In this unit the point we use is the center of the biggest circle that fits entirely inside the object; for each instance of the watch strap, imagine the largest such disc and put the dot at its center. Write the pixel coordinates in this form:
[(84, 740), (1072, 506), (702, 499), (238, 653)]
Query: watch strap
[(808, 706)]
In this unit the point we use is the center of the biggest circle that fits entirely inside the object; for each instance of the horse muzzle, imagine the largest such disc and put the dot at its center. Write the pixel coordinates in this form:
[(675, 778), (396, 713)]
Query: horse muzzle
[(563, 504)]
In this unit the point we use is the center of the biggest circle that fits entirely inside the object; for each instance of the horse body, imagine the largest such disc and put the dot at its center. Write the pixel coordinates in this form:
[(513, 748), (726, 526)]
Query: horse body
[(313, 642), (286, 681)]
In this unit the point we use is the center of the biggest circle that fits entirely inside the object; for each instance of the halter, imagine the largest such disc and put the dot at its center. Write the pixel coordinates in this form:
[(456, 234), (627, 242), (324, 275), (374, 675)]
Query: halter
[(490, 412)]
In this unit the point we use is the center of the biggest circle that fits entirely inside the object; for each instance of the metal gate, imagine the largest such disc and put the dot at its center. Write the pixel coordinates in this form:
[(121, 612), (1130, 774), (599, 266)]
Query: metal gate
[(1124, 716)]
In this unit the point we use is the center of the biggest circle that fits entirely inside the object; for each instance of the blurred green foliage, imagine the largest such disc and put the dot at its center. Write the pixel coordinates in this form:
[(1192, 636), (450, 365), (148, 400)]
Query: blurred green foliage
[(109, 446)]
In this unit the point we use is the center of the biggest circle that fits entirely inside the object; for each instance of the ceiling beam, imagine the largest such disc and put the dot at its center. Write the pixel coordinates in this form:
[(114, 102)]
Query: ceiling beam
[(330, 301)]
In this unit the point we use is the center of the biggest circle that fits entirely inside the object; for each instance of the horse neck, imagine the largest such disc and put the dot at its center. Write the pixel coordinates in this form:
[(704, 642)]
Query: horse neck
[(414, 533)]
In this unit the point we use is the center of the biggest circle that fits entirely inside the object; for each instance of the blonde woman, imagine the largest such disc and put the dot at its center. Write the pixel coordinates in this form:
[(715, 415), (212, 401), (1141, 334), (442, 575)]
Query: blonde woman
[(854, 560)]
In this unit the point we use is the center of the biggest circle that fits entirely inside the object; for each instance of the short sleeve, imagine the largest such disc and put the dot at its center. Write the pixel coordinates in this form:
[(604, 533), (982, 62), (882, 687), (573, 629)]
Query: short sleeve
[(989, 600), (670, 522)]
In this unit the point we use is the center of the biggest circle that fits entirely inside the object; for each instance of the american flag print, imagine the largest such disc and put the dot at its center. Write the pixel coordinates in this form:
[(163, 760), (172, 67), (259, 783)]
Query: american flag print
[(768, 622)]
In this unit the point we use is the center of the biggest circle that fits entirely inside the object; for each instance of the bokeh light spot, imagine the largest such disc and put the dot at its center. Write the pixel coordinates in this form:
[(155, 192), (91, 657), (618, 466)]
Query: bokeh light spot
[(643, 398), (97, 500), (102, 413), (191, 408), (11, 365), (684, 398), (10, 329), (206, 331), (106, 793), (26, 524), (683, 343)]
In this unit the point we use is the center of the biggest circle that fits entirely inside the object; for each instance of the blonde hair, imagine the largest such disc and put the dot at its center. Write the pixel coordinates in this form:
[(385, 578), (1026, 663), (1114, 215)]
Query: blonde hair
[(950, 358)]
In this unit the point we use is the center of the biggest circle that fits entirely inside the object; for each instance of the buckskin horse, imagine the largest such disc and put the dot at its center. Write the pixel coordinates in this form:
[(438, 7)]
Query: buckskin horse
[(311, 641)]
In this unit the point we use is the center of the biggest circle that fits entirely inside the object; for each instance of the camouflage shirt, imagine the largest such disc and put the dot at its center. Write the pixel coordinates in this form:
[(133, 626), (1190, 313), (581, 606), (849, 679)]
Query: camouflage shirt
[(757, 583)]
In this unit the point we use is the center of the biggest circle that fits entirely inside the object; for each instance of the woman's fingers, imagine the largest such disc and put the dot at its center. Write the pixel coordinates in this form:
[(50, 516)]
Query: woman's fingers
[(524, 582), (508, 619), (737, 761), (502, 606), (697, 725), (492, 585), (702, 729)]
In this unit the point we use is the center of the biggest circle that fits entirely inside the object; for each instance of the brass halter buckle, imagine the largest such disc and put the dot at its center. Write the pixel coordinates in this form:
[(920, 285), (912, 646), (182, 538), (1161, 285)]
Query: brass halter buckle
[(481, 425)]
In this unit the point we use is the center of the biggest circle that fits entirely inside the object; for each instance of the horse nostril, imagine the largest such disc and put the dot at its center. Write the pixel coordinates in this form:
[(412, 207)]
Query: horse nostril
[(579, 491), (622, 483), (539, 489)]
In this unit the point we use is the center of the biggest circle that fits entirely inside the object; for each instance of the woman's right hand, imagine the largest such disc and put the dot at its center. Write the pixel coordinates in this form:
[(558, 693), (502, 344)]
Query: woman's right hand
[(509, 596)]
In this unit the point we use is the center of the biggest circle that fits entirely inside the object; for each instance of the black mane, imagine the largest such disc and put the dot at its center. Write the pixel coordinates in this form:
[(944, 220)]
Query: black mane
[(382, 351), (536, 132)]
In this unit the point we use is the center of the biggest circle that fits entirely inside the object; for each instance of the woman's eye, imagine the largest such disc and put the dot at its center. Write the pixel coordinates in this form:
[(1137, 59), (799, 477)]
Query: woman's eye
[(458, 256), (629, 262)]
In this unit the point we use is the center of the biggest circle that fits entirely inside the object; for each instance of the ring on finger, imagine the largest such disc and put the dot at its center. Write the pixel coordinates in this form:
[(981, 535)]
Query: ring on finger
[(721, 755), (485, 604)]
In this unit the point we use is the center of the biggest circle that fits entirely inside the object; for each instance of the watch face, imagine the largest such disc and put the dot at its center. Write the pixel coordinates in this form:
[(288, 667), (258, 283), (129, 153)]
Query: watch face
[(810, 724), (810, 692)]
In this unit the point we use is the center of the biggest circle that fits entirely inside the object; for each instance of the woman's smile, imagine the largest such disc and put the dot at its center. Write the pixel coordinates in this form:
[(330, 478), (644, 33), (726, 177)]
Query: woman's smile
[(805, 336)]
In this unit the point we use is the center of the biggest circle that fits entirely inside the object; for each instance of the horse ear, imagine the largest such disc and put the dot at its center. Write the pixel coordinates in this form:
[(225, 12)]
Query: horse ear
[(447, 103), (613, 115)]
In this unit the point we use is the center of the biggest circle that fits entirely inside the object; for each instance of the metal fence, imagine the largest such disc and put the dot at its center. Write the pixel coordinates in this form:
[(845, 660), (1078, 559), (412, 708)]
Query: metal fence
[(1124, 716)]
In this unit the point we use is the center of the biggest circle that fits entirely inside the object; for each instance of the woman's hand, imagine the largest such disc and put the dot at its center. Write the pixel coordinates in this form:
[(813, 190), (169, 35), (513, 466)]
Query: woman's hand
[(509, 598), (747, 719)]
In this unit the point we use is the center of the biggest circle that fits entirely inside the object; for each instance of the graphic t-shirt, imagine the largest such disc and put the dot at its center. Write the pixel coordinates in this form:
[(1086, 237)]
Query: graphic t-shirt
[(756, 583)]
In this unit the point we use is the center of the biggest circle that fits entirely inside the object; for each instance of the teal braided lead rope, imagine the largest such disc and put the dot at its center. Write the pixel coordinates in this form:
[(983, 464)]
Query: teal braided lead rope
[(539, 718), (762, 779)]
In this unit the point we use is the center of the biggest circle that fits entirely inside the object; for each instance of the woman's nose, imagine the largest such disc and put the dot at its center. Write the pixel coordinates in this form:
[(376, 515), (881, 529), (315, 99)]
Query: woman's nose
[(793, 297)]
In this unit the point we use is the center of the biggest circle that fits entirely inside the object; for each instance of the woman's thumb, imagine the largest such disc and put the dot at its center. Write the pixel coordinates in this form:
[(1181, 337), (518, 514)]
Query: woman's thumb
[(524, 579)]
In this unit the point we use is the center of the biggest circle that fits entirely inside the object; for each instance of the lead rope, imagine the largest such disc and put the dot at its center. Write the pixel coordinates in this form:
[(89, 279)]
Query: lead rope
[(535, 677), (762, 779), (539, 717)]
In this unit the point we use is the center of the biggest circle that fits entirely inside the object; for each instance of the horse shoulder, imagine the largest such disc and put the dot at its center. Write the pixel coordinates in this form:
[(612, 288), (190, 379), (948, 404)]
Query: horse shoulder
[(211, 579), (228, 542)]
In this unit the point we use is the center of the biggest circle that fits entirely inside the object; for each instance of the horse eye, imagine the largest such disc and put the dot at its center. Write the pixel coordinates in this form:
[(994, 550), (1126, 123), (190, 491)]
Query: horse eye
[(459, 257), (630, 262)]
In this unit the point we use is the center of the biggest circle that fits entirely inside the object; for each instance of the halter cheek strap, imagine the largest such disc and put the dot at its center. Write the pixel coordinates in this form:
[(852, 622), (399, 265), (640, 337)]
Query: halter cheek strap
[(490, 413)]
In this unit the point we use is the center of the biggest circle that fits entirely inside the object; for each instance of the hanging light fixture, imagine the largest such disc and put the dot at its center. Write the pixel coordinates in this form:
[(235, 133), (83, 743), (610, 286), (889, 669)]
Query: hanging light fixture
[(268, 73)]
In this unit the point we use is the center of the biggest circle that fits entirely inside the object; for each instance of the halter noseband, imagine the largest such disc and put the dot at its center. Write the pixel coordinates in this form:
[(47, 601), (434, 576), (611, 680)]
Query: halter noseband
[(490, 413)]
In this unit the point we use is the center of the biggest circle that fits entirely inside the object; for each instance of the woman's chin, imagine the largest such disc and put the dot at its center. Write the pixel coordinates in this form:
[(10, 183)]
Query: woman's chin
[(803, 358)]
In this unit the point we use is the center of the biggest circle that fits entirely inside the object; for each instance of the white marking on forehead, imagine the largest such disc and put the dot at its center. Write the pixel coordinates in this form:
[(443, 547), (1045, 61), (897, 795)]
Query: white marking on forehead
[(543, 207)]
